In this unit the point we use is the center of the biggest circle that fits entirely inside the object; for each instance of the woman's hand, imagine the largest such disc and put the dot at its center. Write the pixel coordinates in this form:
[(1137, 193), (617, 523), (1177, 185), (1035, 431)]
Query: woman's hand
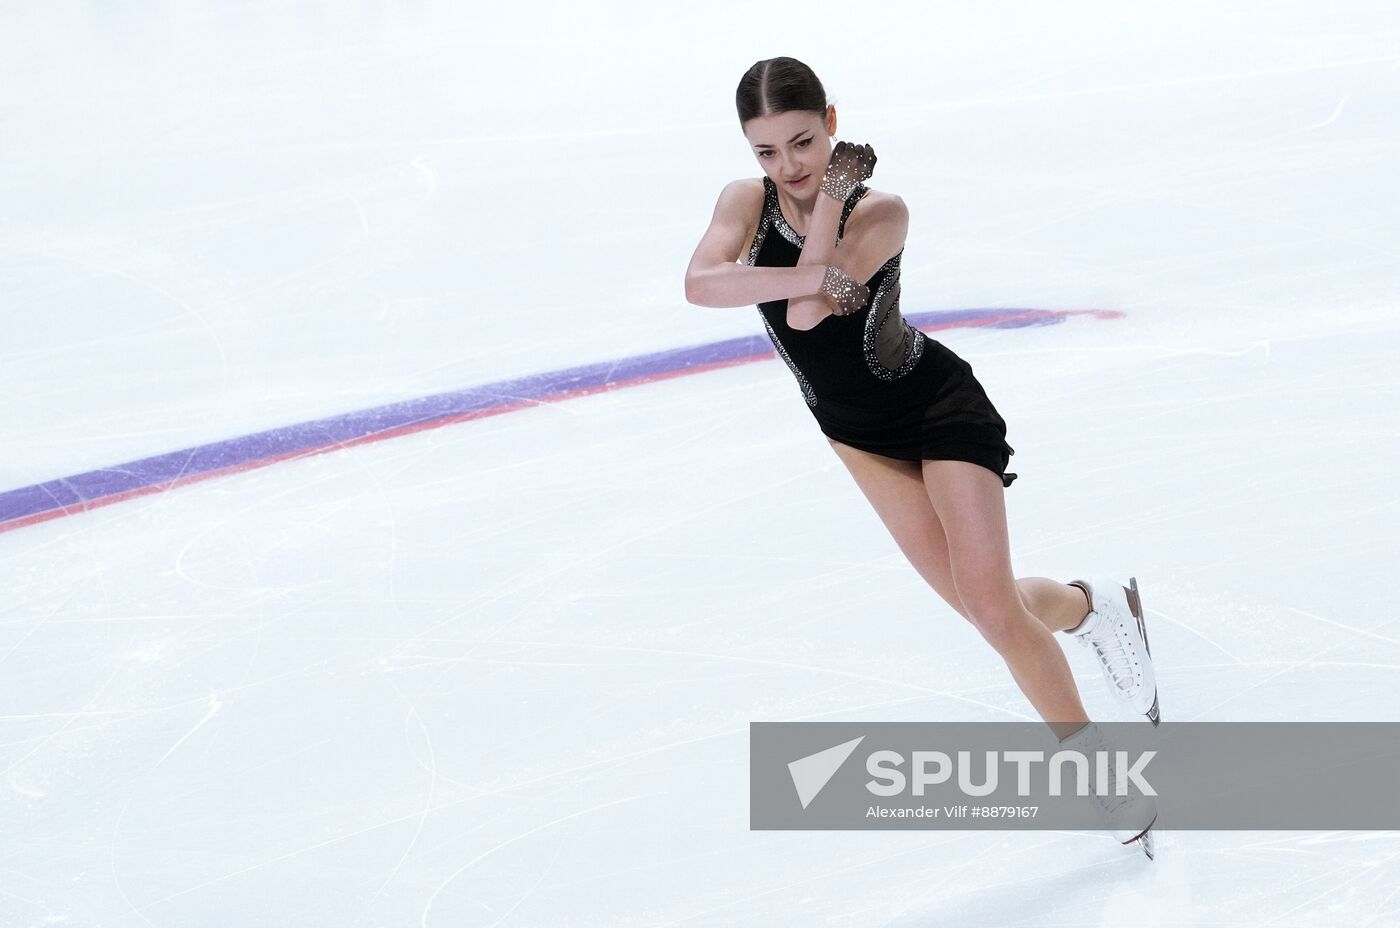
[(844, 294), (848, 166)]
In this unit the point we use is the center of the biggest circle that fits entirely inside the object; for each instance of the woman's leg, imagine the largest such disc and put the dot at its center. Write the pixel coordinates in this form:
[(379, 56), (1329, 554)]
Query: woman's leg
[(895, 489), (1058, 606), (969, 500)]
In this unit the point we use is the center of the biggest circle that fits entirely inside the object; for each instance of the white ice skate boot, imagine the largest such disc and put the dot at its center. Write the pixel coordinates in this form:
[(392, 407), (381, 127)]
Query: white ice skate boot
[(1115, 629), (1130, 817)]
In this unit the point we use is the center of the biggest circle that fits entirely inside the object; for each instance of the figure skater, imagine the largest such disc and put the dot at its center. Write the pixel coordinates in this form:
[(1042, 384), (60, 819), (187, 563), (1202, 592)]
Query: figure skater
[(904, 413)]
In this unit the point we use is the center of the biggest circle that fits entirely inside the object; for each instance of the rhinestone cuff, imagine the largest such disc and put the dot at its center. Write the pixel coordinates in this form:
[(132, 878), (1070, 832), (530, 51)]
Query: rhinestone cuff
[(844, 288)]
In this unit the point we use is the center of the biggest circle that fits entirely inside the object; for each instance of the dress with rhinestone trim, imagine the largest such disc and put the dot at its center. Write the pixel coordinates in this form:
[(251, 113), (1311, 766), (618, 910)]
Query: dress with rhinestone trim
[(871, 379)]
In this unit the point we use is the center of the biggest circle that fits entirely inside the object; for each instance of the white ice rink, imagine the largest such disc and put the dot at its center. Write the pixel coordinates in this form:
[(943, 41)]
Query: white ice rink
[(500, 671)]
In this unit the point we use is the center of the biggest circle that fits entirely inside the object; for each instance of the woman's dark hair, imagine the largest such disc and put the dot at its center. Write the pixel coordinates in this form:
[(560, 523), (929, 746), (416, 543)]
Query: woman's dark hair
[(778, 85)]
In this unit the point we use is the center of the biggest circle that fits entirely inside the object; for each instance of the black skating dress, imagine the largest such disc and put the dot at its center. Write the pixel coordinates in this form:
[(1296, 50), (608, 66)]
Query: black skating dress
[(872, 380)]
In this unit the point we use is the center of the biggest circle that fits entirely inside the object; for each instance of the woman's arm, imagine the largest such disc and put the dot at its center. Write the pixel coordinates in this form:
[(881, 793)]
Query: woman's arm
[(714, 278), (875, 232), (841, 290), (818, 248)]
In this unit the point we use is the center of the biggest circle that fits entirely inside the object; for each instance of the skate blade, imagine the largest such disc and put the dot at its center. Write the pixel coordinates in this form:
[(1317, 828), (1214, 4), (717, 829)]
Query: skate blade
[(1154, 715), (1147, 846), (1135, 604), (1145, 840)]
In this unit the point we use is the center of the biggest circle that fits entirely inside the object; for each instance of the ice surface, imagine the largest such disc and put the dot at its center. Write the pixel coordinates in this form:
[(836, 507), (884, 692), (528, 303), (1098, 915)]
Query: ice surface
[(501, 672)]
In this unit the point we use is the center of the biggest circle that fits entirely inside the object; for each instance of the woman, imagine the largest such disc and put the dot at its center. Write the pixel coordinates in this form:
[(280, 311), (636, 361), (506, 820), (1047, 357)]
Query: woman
[(902, 412)]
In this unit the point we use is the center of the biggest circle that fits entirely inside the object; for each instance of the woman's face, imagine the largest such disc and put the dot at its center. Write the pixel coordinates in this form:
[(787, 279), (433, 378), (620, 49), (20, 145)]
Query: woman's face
[(793, 148)]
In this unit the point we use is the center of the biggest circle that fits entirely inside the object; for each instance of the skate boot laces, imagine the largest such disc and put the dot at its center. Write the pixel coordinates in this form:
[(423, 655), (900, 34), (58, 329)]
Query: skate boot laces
[(1111, 639), (1113, 653)]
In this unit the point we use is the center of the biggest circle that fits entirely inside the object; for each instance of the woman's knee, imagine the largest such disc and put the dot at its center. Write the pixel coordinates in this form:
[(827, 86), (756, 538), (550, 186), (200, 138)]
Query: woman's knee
[(1000, 618)]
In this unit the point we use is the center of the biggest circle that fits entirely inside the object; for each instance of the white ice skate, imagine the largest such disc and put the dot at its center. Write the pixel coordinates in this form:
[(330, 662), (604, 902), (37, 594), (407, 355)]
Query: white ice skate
[(1129, 817), (1116, 631)]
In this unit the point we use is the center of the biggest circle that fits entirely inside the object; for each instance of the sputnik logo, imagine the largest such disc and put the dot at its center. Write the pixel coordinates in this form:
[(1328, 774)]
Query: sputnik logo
[(810, 774)]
